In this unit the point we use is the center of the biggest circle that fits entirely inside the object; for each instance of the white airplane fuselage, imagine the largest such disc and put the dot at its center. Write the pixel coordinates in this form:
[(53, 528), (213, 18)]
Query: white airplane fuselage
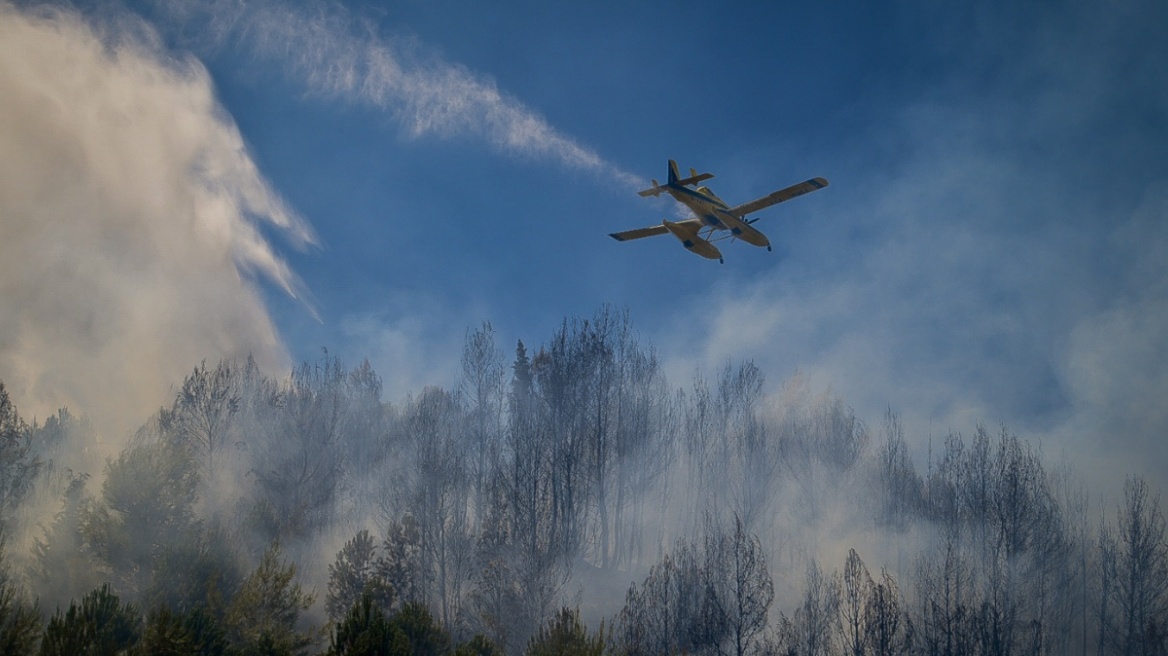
[(713, 211)]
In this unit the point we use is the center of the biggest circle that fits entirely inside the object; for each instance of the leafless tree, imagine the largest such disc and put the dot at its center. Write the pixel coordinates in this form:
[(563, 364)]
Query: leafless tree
[(944, 594), (440, 492), (296, 453), (815, 616), (1138, 574), (482, 389), (888, 627), (741, 585), (900, 485), (202, 415), (855, 586)]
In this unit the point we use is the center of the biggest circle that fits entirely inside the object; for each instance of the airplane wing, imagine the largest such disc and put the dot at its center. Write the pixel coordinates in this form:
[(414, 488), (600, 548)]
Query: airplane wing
[(650, 231), (793, 191), (639, 233)]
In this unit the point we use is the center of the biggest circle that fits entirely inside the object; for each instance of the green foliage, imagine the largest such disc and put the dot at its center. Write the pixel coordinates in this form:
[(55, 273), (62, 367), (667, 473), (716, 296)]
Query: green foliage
[(424, 636), (566, 635), (479, 645), (152, 486), (186, 634), (365, 631), (17, 465), (267, 644), (264, 612), (20, 625), (208, 637), (100, 625), (202, 573), (149, 494), (400, 567), (165, 634), (354, 576), (62, 563)]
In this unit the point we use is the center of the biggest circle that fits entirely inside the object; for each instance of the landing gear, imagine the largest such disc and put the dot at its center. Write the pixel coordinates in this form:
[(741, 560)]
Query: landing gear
[(721, 261), (768, 248)]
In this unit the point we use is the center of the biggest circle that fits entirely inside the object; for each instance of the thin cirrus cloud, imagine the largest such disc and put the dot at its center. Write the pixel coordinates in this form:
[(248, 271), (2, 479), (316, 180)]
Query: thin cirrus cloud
[(332, 53)]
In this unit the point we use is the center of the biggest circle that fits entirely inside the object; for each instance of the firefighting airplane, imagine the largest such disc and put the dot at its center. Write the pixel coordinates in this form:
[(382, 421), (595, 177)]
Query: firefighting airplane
[(711, 214)]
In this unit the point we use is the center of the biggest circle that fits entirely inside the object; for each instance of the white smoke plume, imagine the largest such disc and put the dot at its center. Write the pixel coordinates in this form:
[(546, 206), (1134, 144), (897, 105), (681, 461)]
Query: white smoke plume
[(132, 221)]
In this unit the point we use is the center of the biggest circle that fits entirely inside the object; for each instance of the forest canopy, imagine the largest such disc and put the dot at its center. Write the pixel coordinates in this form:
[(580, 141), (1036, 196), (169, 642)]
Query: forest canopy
[(561, 499)]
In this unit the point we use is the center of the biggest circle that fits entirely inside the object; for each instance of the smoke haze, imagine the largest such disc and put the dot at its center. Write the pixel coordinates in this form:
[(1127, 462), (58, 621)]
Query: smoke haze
[(997, 253), (133, 222)]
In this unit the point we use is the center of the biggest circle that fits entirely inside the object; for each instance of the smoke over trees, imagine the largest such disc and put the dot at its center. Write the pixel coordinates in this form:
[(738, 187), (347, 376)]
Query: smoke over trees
[(548, 489)]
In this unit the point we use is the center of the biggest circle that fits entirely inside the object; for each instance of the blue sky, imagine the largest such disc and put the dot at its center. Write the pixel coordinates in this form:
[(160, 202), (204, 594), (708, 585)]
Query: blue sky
[(992, 247)]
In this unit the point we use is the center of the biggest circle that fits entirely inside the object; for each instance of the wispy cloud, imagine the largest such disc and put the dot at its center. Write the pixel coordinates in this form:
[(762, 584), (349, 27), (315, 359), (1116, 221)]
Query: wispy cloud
[(130, 220), (340, 56)]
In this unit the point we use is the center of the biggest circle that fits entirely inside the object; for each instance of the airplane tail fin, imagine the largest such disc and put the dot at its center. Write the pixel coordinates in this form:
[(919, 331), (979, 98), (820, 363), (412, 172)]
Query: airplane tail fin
[(675, 180)]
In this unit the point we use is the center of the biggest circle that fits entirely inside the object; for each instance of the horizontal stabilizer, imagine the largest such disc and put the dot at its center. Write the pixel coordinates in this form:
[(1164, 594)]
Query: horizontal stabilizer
[(675, 180), (657, 189), (794, 191), (694, 179)]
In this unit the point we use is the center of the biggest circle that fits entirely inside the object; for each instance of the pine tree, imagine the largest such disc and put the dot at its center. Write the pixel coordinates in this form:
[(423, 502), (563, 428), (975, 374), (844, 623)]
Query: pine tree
[(267, 606), (365, 631), (566, 635), (101, 624), (423, 635), (17, 465), (20, 625)]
